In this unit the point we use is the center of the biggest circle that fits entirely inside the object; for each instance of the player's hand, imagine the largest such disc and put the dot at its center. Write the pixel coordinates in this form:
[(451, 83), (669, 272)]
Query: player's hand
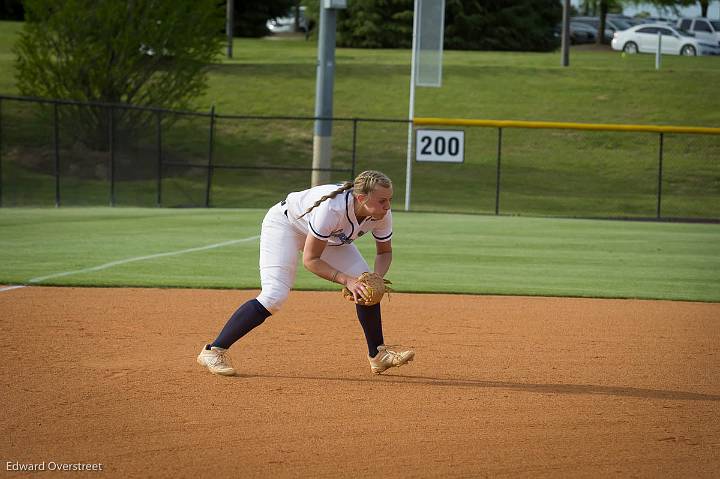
[(357, 288)]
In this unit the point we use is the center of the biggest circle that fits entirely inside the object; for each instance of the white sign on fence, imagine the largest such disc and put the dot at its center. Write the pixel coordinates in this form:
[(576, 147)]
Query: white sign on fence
[(446, 146)]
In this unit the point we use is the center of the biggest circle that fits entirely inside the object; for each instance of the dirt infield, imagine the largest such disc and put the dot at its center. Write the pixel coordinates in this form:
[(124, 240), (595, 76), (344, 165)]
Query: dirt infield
[(500, 387)]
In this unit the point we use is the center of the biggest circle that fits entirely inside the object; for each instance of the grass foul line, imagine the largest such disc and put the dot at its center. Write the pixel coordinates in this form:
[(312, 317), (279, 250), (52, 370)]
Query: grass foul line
[(141, 258)]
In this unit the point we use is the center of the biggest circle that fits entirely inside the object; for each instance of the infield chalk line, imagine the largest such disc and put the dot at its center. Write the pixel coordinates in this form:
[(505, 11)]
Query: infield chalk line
[(131, 260), (9, 288)]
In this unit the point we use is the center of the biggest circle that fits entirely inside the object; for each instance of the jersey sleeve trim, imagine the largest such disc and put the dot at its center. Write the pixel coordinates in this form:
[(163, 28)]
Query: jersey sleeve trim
[(382, 238), (347, 213), (318, 235)]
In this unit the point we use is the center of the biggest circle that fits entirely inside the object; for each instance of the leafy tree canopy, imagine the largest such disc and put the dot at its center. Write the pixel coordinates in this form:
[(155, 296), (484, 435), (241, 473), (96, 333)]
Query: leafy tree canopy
[(11, 10), (139, 52), (526, 25), (469, 24), (674, 4)]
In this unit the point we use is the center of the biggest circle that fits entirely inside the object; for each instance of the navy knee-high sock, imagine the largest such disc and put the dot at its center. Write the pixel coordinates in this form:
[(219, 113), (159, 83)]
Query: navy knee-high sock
[(247, 317), (371, 323)]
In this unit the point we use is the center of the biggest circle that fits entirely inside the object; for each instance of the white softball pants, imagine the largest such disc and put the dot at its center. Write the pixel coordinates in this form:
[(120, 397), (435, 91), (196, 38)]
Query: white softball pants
[(280, 243)]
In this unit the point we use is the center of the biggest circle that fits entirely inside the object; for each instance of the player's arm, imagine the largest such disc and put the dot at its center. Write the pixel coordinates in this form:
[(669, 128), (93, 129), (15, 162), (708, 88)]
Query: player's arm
[(383, 256), (312, 251)]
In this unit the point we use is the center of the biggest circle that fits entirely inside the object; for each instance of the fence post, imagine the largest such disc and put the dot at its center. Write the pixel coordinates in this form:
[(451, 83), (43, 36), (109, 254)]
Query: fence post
[(210, 157), (56, 141), (497, 177), (111, 142), (354, 147), (660, 175), (158, 131), (1, 178)]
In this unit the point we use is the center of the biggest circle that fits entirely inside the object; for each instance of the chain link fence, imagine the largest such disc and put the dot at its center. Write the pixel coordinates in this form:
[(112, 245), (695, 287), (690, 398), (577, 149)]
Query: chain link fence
[(575, 170), (67, 153)]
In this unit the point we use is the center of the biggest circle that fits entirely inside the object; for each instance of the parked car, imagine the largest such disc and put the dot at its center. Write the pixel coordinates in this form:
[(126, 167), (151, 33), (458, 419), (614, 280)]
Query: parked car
[(582, 33), (579, 33), (644, 39), (612, 25), (286, 23), (664, 20), (629, 21), (703, 28)]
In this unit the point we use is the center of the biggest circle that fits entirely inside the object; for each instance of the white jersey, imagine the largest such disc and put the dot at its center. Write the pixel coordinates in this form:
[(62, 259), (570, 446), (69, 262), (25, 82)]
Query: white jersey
[(334, 219)]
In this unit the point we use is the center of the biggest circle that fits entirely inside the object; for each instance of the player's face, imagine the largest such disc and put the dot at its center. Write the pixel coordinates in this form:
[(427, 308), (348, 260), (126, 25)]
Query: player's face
[(377, 203)]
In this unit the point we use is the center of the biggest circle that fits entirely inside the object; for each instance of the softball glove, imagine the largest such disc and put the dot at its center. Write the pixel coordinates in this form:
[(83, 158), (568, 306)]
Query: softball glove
[(376, 285)]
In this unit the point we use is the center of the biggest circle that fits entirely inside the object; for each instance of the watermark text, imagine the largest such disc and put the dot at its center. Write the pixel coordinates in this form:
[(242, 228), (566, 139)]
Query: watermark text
[(52, 466)]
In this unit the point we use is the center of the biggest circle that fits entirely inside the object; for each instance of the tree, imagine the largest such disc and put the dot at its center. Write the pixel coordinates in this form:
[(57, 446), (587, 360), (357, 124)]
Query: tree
[(603, 16), (469, 24), (522, 25), (146, 53), (704, 4), (11, 10), (605, 6), (376, 24)]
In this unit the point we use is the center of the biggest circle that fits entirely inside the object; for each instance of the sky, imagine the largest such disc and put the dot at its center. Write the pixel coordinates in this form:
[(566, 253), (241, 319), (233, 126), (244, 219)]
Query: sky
[(713, 10)]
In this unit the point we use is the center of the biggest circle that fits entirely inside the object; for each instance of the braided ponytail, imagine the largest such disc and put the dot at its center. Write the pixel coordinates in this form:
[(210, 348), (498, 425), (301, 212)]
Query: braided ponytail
[(344, 187), (364, 184)]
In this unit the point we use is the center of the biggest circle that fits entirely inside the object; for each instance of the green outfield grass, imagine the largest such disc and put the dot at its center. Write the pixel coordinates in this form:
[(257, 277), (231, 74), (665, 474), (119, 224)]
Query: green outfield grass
[(277, 77), (432, 253), (551, 172)]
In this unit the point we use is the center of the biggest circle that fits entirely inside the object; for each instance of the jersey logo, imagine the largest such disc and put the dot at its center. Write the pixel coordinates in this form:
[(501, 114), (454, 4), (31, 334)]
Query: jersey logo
[(341, 236)]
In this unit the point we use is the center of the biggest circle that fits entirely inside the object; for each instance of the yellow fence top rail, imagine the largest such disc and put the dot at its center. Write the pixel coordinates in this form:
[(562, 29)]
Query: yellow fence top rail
[(564, 126)]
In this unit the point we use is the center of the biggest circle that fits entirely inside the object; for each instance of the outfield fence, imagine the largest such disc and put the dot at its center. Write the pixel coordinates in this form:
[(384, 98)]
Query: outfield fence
[(69, 153), (648, 171)]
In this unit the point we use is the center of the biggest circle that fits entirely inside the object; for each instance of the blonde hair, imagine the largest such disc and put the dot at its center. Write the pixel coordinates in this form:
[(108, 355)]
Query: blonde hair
[(364, 184)]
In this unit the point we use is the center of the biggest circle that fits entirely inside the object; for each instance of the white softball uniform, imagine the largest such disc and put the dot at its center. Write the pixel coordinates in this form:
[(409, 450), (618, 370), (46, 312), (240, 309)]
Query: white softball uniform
[(284, 231)]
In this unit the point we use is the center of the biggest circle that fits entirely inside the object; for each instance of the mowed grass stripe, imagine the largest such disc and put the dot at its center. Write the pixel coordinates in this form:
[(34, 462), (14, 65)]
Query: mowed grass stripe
[(432, 253)]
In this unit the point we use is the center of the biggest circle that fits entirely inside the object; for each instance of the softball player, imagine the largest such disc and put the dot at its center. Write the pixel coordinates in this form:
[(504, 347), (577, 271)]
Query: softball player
[(322, 222)]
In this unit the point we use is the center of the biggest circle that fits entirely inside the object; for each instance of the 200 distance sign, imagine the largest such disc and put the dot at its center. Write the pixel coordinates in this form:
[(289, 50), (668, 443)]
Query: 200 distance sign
[(445, 146)]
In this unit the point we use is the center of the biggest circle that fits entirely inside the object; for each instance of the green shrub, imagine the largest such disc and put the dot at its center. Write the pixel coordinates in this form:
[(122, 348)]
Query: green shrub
[(116, 51)]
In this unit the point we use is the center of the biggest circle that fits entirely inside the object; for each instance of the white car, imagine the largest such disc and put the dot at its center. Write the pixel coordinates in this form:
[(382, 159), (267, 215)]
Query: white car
[(702, 28), (286, 24), (644, 39)]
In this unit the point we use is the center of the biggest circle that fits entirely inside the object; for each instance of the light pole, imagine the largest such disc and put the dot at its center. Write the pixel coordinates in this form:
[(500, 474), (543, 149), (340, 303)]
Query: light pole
[(565, 34), (229, 20), (322, 138)]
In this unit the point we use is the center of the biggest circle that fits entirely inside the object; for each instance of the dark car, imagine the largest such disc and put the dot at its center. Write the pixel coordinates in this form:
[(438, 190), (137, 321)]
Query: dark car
[(582, 33), (612, 24)]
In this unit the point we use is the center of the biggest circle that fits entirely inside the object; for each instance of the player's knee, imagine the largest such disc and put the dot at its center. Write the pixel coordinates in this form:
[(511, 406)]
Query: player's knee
[(273, 300)]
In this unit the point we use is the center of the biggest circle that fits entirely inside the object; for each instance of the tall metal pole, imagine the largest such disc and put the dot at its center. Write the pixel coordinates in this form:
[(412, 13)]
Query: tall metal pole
[(1, 179), (497, 173), (565, 61), (158, 133), (411, 109), (210, 167), (354, 147), (111, 147), (56, 145), (322, 138), (660, 179), (229, 21)]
